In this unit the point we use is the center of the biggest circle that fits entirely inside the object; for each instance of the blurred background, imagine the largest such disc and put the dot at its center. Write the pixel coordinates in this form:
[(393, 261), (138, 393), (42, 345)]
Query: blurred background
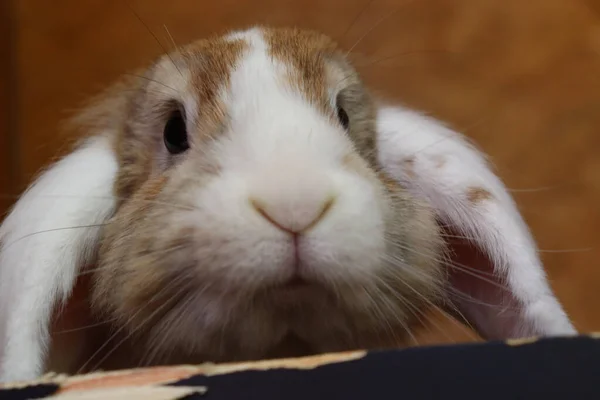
[(520, 78)]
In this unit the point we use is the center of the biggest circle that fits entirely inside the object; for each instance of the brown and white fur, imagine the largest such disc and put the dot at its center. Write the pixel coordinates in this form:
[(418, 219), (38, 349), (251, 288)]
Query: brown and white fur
[(279, 231)]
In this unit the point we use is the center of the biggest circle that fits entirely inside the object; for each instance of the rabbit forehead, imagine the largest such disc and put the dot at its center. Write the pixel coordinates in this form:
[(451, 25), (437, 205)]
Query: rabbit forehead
[(282, 90), (240, 82), (302, 61), (200, 75)]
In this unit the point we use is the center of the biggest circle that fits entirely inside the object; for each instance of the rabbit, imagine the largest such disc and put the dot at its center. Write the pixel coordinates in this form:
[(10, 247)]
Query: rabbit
[(246, 196)]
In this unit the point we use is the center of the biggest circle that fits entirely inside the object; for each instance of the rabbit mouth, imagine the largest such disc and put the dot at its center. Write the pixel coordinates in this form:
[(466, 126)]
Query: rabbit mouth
[(294, 293), (295, 286), (296, 282)]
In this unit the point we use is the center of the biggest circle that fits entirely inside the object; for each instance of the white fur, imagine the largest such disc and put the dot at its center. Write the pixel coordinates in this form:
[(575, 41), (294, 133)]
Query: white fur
[(39, 270), (441, 168)]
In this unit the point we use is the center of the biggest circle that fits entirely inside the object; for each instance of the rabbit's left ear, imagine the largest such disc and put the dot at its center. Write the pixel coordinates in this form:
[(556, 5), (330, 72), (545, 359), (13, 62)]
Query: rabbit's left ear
[(50, 234), (496, 280)]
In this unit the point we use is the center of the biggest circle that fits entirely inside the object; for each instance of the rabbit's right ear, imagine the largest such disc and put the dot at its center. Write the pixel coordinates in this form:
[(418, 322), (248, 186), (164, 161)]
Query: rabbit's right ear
[(51, 232)]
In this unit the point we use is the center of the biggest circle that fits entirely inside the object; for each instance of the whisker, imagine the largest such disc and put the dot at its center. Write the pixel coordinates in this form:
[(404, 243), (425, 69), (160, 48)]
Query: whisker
[(223, 331), (82, 328), (410, 307), (123, 327), (456, 265), (151, 80), (466, 297), (356, 18), (467, 271), (472, 239), (169, 325), (392, 260), (475, 273), (151, 253), (382, 316), (422, 297), (433, 144), (416, 312), (170, 37), (162, 333), (137, 329), (151, 89), (167, 53), (376, 308), (464, 320), (533, 190), (404, 53), (446, 315), (582, 250), (464, 329), (53, 230), (108, 198), (380, 21)]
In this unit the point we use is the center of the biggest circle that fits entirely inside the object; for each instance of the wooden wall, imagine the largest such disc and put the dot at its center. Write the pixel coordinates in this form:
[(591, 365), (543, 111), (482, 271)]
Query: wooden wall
[(6, 103), (521, 78)]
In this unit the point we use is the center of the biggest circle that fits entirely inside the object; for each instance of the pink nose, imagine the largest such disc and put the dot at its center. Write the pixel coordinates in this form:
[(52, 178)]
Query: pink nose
[(294, 218), (292, 194)]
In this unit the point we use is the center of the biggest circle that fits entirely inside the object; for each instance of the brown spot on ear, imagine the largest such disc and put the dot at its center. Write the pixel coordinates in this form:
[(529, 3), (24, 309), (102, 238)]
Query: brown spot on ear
[(439, 160), (409, 166), (476, 195)]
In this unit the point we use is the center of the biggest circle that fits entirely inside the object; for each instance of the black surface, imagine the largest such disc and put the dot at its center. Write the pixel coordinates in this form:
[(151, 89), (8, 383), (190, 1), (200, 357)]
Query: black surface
[(29, 392), (560, 368)]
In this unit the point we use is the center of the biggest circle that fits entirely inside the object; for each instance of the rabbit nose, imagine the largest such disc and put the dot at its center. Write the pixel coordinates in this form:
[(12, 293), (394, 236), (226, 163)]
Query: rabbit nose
[(294, 218), (292, 196)]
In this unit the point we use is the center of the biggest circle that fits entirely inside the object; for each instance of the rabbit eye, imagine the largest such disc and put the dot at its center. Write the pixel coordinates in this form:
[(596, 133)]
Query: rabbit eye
[(343, 117), (175, 134)]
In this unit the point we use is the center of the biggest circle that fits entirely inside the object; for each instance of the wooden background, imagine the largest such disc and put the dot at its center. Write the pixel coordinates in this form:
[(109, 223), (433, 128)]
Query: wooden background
[(521, 78)]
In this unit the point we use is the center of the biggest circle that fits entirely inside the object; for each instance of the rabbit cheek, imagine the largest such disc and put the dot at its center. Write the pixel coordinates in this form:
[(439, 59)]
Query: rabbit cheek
[(129, 273)]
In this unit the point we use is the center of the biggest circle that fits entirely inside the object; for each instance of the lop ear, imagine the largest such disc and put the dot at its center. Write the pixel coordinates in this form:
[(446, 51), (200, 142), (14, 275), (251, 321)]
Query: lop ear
[(50, 233), (496, 280)]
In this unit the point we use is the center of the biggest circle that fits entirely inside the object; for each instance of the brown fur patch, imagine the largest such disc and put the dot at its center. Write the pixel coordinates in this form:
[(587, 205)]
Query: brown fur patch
[(306, 52), (477, 195), (389, 183), (211, 62), (439, 160), (409, 166)]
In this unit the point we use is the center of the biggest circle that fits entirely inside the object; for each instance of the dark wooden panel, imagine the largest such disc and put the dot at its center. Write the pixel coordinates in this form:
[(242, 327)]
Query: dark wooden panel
[(7, 103), (520, 78)]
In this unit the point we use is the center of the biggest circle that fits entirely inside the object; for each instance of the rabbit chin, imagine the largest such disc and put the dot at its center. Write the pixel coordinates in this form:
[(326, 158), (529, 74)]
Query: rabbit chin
[(292, 319), (296, 309)]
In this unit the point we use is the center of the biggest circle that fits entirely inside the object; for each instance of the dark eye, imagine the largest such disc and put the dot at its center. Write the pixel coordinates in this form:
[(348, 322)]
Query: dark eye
[(343, 117), (175, 134)]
